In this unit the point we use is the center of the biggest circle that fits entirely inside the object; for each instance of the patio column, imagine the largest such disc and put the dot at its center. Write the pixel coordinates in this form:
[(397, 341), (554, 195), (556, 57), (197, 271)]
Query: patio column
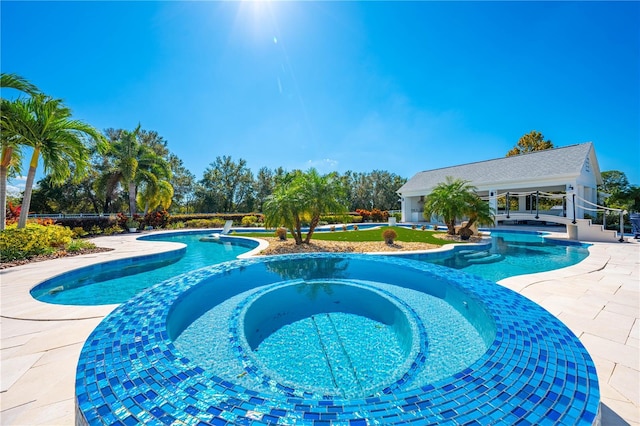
[(522, 203), (405, 206), (493, 200), (570, 190)]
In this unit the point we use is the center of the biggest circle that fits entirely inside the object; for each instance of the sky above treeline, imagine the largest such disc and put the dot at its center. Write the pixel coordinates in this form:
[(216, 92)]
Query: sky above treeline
[(397, 86)]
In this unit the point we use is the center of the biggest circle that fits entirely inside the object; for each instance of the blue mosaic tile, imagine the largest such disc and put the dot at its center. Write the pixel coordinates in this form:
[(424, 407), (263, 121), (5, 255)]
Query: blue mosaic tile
[(534, 372)]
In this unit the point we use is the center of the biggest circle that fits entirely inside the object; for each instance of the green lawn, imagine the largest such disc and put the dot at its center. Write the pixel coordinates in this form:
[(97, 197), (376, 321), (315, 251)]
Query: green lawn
[(404, 234)]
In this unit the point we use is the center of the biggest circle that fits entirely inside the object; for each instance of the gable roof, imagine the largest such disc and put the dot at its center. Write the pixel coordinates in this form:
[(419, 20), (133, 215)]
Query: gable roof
[(561, 162)]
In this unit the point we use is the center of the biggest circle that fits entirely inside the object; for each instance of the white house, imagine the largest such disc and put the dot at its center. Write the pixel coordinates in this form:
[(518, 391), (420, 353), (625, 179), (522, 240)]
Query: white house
[(572, 170)]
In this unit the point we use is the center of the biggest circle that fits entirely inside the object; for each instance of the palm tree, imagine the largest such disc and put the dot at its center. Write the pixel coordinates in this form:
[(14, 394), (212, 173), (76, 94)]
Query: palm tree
[(284, 207), (301, 196), (154, 191), (14, 81), (479, 212), (45, 124), (134, 163), (322, 195), (455, 199), (11, 155)]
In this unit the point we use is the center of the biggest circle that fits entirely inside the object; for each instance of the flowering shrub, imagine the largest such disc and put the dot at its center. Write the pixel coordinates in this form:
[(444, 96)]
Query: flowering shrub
[(156, 219), (13, 213), (375, 215), (32, 240), (379, 215), (364, 213), (122, 220)]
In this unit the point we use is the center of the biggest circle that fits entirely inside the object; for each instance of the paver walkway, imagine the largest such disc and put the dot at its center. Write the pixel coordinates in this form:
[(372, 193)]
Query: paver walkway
[(599, 299)]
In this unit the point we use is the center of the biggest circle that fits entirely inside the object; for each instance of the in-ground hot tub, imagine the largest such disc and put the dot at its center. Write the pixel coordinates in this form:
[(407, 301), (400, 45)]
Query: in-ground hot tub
[(532, 369)]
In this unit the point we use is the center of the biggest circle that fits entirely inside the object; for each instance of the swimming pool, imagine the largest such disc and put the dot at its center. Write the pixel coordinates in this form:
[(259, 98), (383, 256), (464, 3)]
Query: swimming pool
[(507, 254), (510, 253), (117, 281), (533, 370)]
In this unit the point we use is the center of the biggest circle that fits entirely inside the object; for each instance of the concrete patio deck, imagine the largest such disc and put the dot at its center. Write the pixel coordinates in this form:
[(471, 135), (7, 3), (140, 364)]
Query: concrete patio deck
[(598, 299)]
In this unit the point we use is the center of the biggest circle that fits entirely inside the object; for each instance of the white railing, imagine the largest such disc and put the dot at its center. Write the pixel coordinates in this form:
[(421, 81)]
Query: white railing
[(576, 201), (68, 215)]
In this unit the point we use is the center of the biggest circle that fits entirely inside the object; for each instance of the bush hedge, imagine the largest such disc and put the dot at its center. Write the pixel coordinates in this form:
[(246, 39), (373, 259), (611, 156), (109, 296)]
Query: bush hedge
[(32, 240)]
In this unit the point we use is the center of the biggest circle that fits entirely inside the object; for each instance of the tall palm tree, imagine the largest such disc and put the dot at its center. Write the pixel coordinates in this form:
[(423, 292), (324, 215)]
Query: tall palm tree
[(11, 154), (134, 163), (14, 81), (455, 199), (45, 124), (154, 189)]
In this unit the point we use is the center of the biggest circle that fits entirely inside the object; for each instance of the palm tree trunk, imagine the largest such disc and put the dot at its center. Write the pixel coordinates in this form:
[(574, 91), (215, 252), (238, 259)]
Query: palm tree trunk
[(4, 167), (451, 227), (132, 198), (28, 187), (297, 232), (312, 227)]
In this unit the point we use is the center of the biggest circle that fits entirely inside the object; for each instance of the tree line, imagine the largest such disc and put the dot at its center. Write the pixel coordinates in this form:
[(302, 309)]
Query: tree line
[(226, 185), (121, 170)]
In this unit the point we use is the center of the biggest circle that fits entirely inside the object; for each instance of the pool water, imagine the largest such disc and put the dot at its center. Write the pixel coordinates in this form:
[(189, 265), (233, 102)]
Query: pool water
[(336, 337), (510, 254), (118, 281), (335, 352)]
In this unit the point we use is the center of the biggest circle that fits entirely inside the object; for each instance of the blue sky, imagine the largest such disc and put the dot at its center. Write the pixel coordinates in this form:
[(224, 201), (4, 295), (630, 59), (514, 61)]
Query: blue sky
[(359, 86)]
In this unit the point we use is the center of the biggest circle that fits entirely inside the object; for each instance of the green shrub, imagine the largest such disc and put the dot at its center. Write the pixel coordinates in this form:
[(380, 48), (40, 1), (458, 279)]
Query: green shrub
[(235, 217), (398, 216), (115, 229), (87, 223), (249, 220), (204, 223), (175, 225), (79, 231), (95, 230), (32, 240), (337, 218), (78, 245)]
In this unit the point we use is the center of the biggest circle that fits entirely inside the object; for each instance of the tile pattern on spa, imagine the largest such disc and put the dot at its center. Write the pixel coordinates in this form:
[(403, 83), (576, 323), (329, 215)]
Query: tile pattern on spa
[(536, 372)]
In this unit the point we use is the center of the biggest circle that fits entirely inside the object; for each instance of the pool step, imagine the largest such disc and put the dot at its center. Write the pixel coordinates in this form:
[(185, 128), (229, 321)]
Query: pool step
[(338, 360), (476, 254), (489, 258), (481, 257)]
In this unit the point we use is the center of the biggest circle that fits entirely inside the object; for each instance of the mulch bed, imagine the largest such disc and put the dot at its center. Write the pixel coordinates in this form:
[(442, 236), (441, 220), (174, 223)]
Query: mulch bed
[(57, 255)]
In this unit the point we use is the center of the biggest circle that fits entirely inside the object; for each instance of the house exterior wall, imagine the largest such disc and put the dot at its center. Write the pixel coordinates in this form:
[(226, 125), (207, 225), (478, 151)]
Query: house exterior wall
[(582, 184)]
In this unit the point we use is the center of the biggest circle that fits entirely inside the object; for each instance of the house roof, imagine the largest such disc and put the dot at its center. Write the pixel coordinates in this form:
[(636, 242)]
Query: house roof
[(536, 165)]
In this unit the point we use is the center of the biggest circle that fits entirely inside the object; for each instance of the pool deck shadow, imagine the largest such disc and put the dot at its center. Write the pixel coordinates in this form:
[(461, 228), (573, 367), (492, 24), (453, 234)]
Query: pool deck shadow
[(40, 343)]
